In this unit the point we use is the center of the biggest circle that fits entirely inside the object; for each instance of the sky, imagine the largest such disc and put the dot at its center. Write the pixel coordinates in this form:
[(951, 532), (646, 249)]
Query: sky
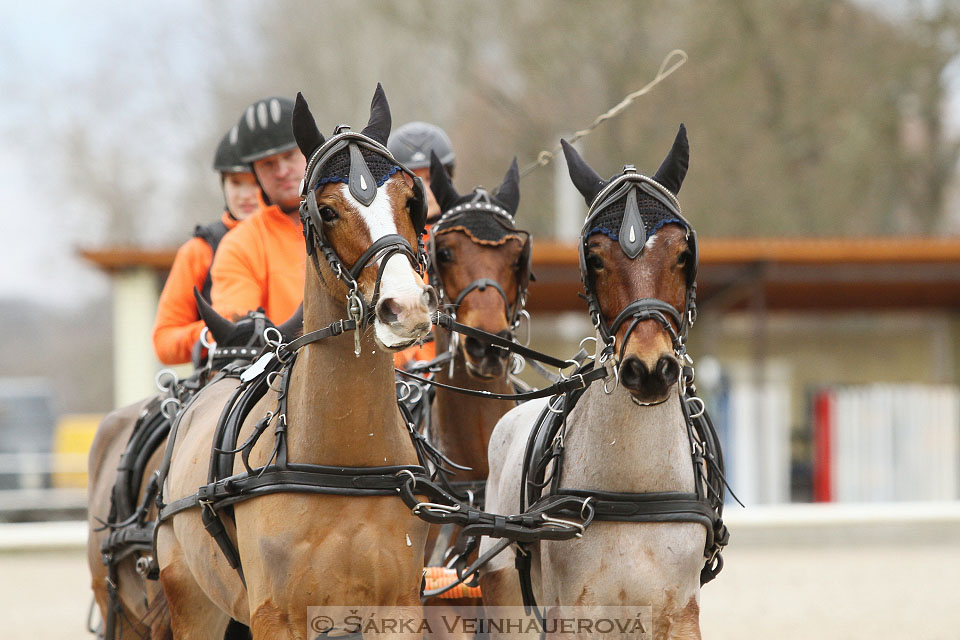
[(102, 67)]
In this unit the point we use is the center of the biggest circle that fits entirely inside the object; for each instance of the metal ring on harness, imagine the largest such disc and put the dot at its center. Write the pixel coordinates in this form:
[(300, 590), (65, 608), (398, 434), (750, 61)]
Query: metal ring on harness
[(204, 333), (271, 378), (266, 336), (697, 400), (517, 364), (405, 386), (419, 394), (170, 414), (551, 408), (166, 373), (569, 362), (413, 478)]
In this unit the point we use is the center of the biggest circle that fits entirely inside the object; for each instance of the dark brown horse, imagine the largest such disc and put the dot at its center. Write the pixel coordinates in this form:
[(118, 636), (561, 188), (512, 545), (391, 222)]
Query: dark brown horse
[(481, 267)]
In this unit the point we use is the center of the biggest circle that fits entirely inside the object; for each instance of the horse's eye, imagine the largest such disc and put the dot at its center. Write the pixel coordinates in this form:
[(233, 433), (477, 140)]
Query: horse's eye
[(328, 214), (444, 255), (595, 262), (682, 259)]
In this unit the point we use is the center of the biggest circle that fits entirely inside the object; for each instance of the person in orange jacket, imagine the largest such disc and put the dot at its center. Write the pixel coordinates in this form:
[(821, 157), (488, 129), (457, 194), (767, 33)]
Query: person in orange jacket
[(260, 263), (411, 144), (177, 327)]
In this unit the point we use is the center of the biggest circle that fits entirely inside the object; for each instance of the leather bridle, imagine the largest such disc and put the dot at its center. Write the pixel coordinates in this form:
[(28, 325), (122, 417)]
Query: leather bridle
[(481, 204), (626, 185), (363, 187)]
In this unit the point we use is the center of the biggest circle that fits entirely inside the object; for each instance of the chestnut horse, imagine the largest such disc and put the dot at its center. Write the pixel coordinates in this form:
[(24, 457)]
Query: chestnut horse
[(141, 608), (304, 549), (638, 257)]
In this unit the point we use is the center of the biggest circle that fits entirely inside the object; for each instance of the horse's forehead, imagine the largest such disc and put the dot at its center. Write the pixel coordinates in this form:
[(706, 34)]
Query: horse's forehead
[(378, 217)]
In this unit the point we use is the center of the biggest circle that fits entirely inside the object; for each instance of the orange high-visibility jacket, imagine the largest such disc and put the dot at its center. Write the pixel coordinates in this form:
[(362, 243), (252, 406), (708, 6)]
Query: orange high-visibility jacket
[(260, 263), (177, 326)]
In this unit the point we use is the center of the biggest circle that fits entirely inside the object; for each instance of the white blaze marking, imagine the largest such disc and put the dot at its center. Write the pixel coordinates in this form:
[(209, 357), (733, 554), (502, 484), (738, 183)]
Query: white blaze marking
[(399, 281), (650, 241)]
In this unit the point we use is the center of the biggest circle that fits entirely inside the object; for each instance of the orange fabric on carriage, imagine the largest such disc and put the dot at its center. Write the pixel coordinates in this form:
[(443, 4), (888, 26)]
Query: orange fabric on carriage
[(260, 263), (178, 325)]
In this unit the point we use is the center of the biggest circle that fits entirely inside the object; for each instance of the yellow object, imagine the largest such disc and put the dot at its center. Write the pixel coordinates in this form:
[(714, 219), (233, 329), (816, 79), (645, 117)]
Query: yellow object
[(437, 577), (71, 444)]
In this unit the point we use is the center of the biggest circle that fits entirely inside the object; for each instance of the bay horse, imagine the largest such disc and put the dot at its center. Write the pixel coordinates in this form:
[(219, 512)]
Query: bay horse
[(480, 265), (625, 442), (114, 491), (362, 214)]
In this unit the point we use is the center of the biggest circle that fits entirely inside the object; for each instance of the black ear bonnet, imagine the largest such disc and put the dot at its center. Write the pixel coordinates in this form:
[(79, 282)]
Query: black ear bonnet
[(364, 165), (629, 209), (486, 221)]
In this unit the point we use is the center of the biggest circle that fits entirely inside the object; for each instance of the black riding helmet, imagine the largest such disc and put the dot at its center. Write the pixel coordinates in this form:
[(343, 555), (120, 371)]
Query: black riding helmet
[(265, 130), (227, 157)]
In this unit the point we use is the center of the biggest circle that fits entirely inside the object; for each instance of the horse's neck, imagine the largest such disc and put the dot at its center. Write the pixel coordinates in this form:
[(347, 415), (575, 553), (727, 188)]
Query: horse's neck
[(462, 424), (342, 408), (614, 445)]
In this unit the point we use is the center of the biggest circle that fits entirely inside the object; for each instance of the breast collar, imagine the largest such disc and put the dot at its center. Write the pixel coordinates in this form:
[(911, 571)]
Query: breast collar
[(363, 186), (632, 237)]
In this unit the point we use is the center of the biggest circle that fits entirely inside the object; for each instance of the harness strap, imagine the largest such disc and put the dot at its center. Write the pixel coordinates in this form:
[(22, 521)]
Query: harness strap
[(446, 321), (331, 330), (297, 478), (573, 383)]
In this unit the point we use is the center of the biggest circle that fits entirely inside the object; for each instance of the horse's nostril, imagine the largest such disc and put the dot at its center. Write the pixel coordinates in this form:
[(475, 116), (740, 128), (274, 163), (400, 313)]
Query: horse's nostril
[(388, 311), (669, 370), (475, 348), (632, 373)]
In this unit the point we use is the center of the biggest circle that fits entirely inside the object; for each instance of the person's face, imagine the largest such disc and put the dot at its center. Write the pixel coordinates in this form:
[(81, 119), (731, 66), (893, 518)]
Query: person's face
[(242, 194), (433, 209), (280, 176)]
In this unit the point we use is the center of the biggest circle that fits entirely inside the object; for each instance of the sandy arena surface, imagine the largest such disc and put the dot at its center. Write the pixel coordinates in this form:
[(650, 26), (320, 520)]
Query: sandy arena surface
[(850, 591)]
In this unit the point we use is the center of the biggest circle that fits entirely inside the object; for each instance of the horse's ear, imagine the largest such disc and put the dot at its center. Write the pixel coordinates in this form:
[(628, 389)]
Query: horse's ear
[(293, 327), (587, 181), (378, 127), (441, 185), (674, 167), (305, 130), (509, 191), (220, 327)]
